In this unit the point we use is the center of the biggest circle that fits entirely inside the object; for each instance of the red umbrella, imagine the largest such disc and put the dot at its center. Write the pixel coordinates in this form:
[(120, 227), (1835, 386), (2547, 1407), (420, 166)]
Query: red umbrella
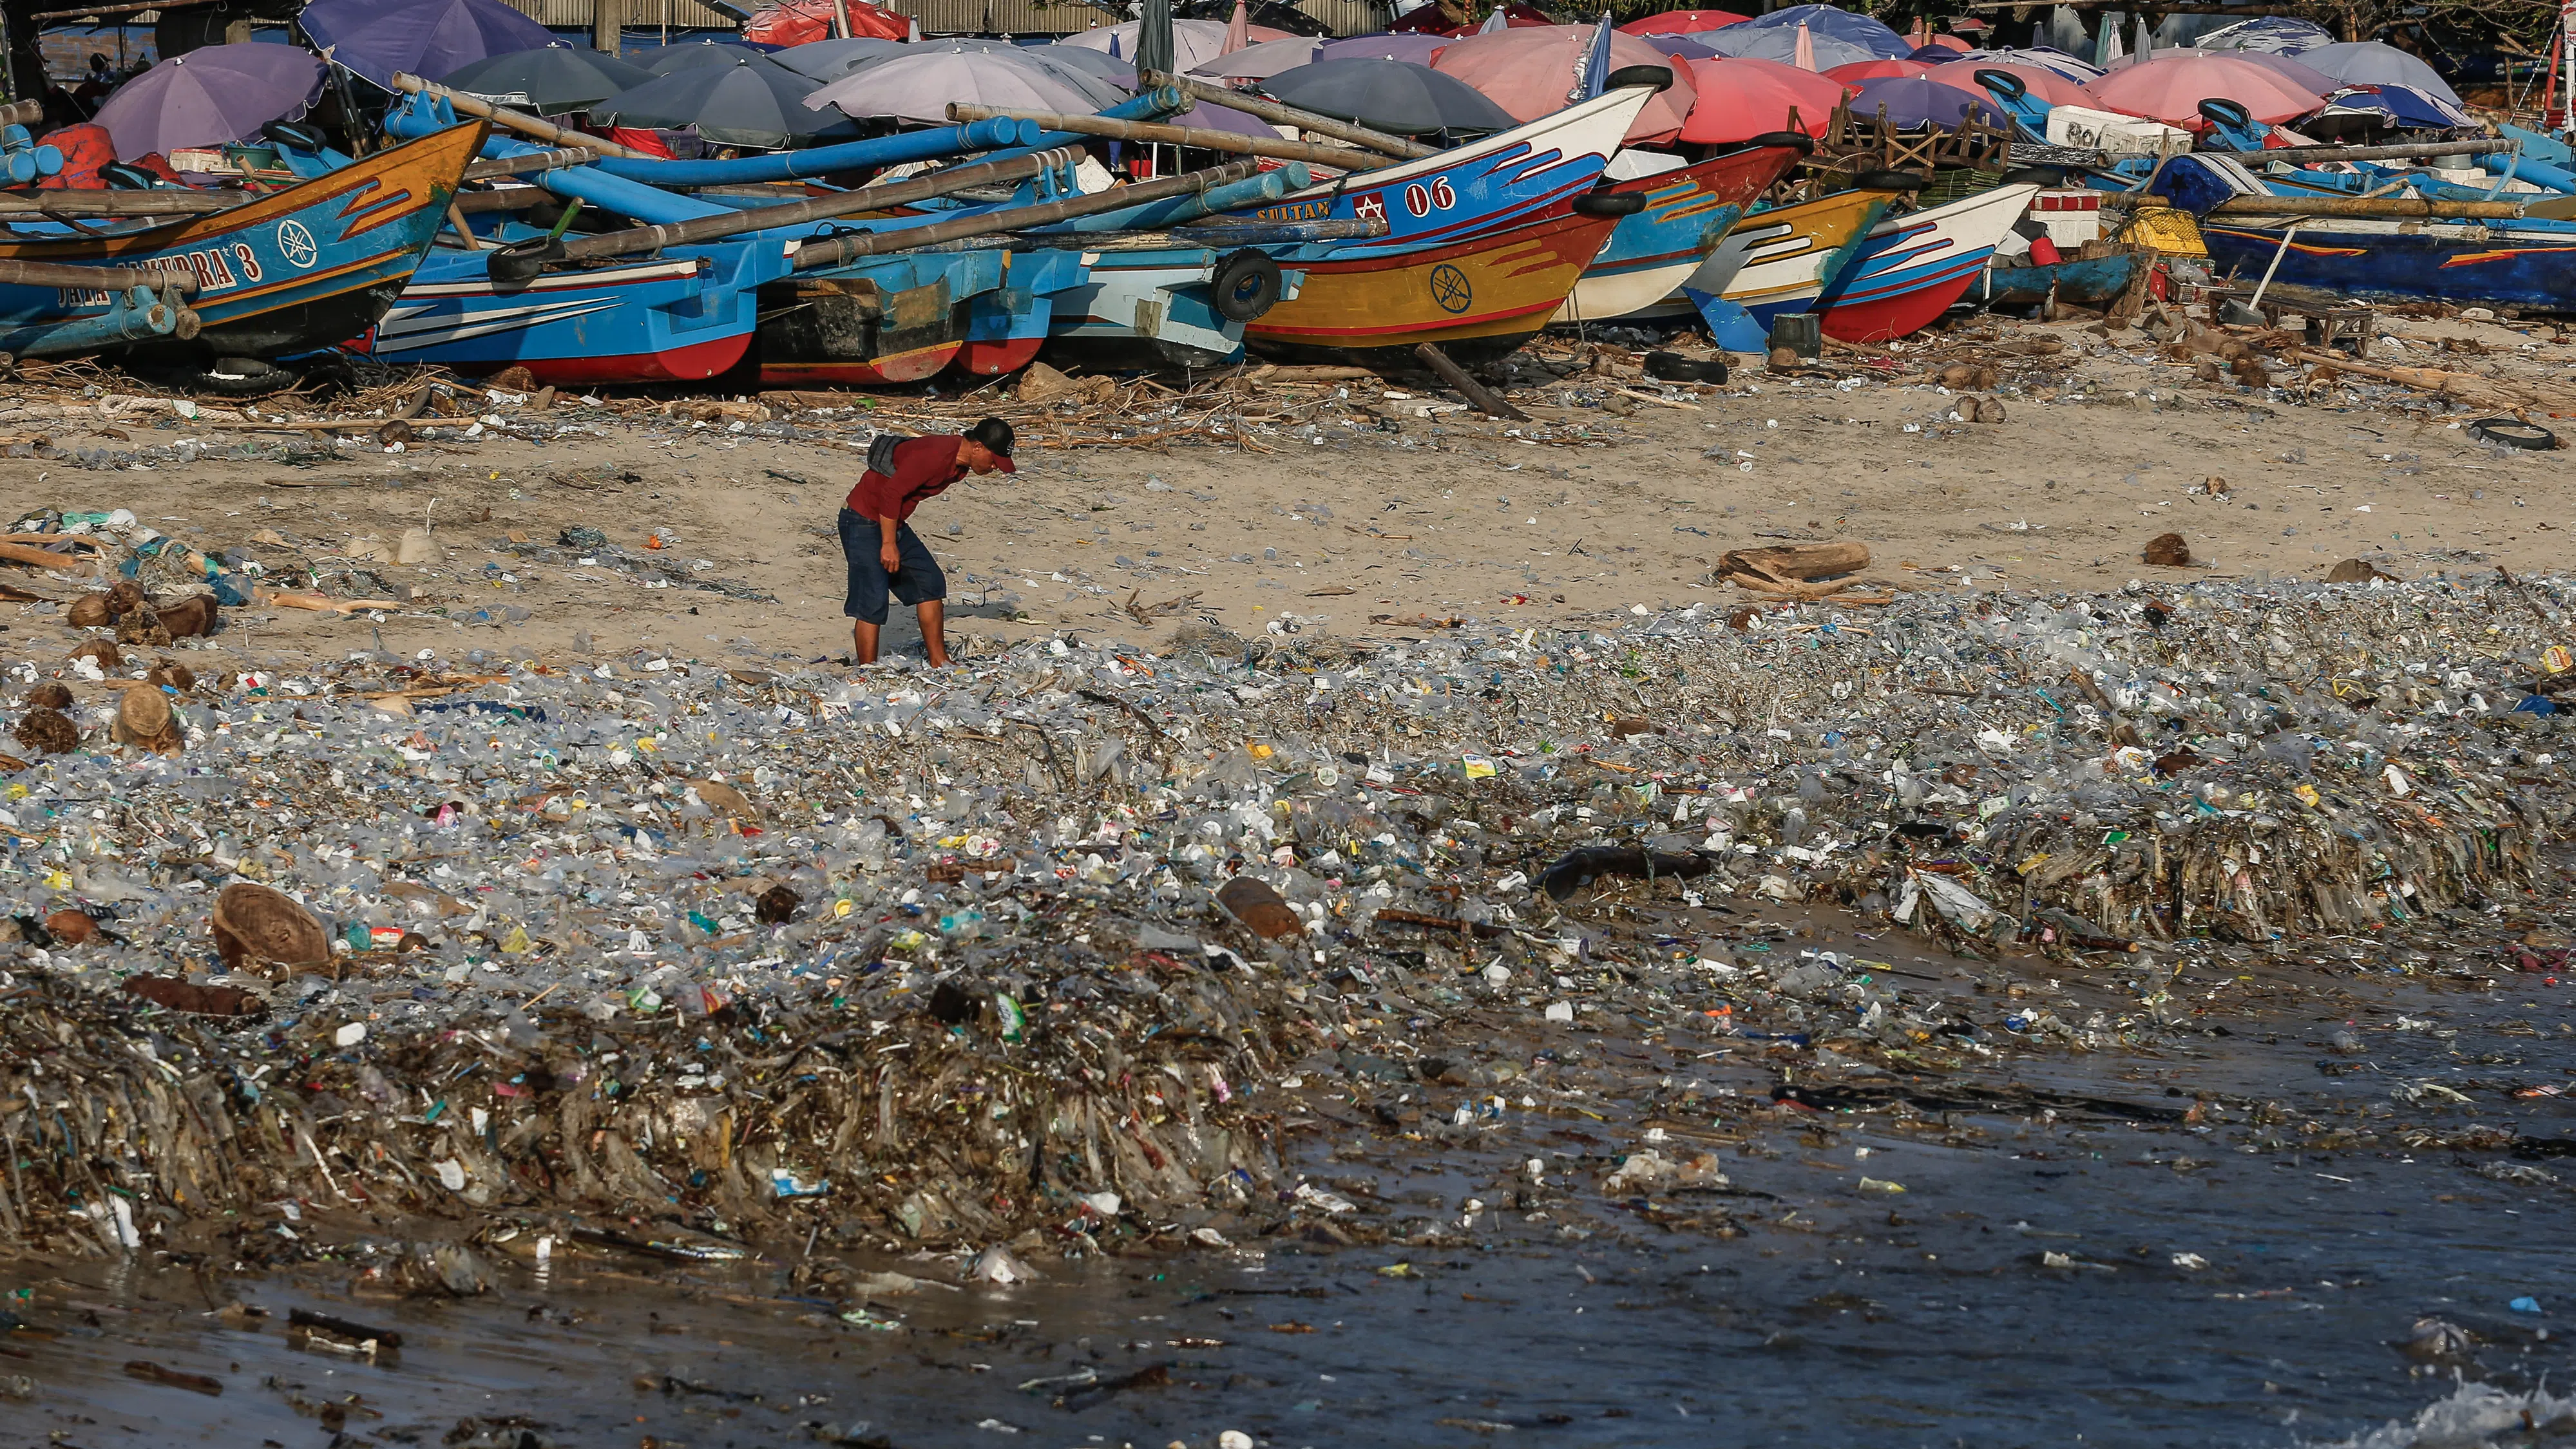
[(2044, 83), (1870, 70), (1530, 70), (1742, 99), (2171, 88), (1683, 22)]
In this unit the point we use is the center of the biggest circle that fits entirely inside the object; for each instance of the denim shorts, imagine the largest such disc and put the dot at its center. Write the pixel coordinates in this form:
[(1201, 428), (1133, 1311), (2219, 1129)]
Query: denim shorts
[(919, 581)]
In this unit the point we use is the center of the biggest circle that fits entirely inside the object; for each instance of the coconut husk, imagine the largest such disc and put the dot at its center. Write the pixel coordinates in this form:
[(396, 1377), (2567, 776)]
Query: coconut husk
[(144, 718), (141, 626), (255, 926), (124, 597), (2168, 550), (2355, 571), (90, 611), (187, 617), (48, 732), (169, 675), (49, 694), (102, 652)]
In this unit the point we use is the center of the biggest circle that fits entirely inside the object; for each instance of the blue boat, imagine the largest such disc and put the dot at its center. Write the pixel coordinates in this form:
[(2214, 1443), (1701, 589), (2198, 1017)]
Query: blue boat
[(2084, 281)]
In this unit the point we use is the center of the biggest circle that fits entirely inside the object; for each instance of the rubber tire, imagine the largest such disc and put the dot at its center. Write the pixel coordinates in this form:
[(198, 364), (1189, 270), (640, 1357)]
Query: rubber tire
[(2010, 85), (2514, 433), (253, 378), (1805, 144), (517, 263), (1245, 287), (1673, 367), (295, 136), (2048, 176), (1610, 203), (1658, 76), (1890, 181)]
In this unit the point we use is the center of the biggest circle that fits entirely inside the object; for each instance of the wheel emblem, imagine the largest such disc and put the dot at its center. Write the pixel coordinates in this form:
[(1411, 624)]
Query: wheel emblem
[(297, 244), (1450, 289)]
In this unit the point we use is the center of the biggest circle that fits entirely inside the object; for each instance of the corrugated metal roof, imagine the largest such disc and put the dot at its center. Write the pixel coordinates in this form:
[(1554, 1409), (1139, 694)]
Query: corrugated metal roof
[(1005, 17), (637, 14)]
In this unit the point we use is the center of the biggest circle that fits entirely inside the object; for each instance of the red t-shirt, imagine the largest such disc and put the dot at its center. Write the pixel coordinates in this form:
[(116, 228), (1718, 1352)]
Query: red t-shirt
[(923, 468)]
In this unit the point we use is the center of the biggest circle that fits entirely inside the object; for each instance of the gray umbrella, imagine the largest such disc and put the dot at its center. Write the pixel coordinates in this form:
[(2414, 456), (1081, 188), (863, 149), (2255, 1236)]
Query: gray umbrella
[(753, 102), (697, 52), (827, 60), (1154, 37), (548, 80), (1391, 95)]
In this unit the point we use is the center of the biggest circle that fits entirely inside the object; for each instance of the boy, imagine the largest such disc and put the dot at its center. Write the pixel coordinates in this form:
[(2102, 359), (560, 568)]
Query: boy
[(877, 537)]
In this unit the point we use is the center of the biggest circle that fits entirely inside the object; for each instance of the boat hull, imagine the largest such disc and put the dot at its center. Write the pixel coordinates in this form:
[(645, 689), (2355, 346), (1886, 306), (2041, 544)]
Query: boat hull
[(1687, 215), (1914, 266), (1478, 299), (1149, 308), (2085, 282), (1777, 261), (291, 271), (2529, 267), (676, 319)]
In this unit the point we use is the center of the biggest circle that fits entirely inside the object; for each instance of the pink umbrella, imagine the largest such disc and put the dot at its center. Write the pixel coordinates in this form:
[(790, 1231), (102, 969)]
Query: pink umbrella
[(1804, 57), (1238, 31), (2044, 83), (1530, 71), (1869, 70), (1742, 99), (1683, 22), (2171, 88)]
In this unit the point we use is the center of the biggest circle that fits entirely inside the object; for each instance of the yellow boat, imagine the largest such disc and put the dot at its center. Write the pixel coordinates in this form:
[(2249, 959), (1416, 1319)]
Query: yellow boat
[(1781, 259), (1479, 298)]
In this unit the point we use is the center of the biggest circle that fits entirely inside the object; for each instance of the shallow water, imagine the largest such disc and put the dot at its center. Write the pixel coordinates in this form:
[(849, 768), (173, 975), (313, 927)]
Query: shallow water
[(2022, 1289)]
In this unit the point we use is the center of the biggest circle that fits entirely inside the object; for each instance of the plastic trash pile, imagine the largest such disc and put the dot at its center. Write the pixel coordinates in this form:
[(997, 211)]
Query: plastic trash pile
[(1033, 943)]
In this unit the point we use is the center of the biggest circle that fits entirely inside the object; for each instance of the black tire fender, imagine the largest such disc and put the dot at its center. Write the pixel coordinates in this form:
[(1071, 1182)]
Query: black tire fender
[(1610, 203), (1245, 285), (2514, 433)]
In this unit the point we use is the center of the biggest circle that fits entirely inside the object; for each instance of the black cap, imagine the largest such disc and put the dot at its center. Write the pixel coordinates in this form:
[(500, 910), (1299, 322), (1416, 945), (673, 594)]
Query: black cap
[(994, 434)]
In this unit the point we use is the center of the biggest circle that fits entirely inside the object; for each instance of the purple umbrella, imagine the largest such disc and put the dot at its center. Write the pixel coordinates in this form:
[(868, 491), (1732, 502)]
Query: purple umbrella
[(376, 38), (209, 96), (1416, 48), (1680, 47), (1913, 101)]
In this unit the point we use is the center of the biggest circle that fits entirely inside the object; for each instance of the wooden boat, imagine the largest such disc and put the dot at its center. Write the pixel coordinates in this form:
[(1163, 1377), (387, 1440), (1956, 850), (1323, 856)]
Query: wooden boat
[(1687, 214), (1914, 266), (1152, 306), (292, 271), (2095, 281), (1482, 186), (1478, 298), (2529, 264), (906, 316), (1778, 260)]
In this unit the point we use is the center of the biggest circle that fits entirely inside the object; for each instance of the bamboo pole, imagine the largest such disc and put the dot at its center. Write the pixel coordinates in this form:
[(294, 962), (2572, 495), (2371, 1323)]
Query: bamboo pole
[(1340, 158), (2381, 207), (526, 125), (2481, 147), (1277, 114), (836, 250), (97, 279), (821, 208), (521, 165), (70, 201)]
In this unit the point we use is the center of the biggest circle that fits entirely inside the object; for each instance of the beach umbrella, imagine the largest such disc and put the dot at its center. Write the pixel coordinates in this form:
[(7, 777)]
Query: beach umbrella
[(828, 60), (666, 59), (377, 38), (1194, 42), (2042, 82), (1802, 51), (1913, 101), (1933, 48), (2045, 58), (1498, 18), (2276, 33), (1828, 23), (1870, 70), (1533, 71), (1741, 99), (1745, 42), (1680, 47), (2373, 63), (2107, 50), (1238, 28), (1154, 50), (1258, 61), (753, 102), (549, 81), (2171, 87), (1427, 20), (2408, 106), (1418, 49), (1391, 95), (1684, 22), (919, 86), (211, 95)]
